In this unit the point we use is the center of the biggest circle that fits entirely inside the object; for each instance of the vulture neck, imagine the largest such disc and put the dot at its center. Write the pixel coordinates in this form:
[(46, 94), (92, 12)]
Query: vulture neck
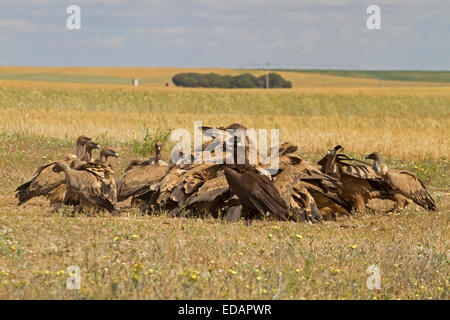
[(233, 177), (380, 167), (103, 159), (158, 156), (80, 151), (66, 170), (87, 155), (330, 166)]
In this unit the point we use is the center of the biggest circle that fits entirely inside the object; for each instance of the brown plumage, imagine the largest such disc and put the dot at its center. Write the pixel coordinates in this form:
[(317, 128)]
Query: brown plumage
[(139, 176), (358, 181), (302, 206), (93, 183), (312, 188), (81, 141), (256, 192), (405, 185), (200, 188), (45, 182)]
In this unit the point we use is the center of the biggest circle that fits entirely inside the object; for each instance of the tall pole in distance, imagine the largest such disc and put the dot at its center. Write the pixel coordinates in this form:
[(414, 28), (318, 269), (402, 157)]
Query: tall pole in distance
[(267, 75)]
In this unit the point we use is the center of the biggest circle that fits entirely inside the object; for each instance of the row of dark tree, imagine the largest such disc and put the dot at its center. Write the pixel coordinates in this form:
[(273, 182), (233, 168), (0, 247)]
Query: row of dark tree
[(213, 80)]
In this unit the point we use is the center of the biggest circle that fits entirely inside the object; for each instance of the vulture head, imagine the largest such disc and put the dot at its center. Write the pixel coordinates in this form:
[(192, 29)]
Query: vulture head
[(158, 149), (378, 159), (107, 152), (81, 140), (88, 147), (327, 163), (59, 166), (91, 145), (376, 156), (337, 149)]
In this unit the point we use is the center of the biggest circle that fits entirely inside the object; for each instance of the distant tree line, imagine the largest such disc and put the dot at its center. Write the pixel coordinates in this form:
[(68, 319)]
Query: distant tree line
[(213, 80)]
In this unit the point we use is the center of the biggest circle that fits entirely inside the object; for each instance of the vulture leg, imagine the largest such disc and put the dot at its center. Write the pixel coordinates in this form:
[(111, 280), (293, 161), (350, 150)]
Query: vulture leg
[(360, 203), (400, 203), (233, 214), (314, 215)]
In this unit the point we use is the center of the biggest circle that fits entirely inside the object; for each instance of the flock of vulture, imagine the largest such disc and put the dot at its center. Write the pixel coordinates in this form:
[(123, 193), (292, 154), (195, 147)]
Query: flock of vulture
[(298, 191)]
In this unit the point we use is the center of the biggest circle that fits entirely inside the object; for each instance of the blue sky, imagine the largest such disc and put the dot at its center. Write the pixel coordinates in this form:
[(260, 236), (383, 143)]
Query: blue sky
[(229, 33)]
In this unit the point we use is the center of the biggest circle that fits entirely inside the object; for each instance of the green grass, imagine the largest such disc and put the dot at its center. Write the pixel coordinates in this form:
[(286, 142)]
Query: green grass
[(220, 101), (423, 76)]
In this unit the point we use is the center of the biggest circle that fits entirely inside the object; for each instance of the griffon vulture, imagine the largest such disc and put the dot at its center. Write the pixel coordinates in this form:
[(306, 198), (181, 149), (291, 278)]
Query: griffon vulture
[(405, 185), (45, 182), (139, 176), (81, 141), (359, 182), (93, 183), (307, 180)]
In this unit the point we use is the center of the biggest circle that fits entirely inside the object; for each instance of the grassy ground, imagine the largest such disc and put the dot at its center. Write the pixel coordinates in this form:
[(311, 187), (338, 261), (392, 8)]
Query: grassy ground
[(157, 257), (433, 76), (158, 77)]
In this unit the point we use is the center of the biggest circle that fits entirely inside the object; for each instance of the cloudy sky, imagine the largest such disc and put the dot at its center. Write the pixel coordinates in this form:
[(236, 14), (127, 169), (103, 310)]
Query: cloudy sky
[(414, 34)]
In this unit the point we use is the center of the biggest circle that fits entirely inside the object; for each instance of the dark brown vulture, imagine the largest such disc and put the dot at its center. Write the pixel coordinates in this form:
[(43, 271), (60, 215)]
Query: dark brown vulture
[(256, 192), (45, 182), (92, 183), (405, 185), (139, 176), (359, 182)]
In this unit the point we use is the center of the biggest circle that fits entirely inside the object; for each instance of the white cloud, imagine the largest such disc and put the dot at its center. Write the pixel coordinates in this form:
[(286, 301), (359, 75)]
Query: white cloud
[(111, 42), (16, 25), (171, 31)]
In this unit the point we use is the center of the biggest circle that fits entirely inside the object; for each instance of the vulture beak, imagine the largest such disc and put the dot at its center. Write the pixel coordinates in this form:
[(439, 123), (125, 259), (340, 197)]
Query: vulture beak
[(115, 154), (369, 156), (96, 146)]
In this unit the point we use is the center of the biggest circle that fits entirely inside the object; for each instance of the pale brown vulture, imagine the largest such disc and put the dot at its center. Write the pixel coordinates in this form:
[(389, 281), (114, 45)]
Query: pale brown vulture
[(359, 181), (311, 188), (139, 176), (92, 183), (81, 141), (57, 197), (405, 185), (45, 182)]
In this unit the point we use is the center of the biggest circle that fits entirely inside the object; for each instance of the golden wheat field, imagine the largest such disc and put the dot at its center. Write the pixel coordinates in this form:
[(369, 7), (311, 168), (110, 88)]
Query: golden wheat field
[(156, 257)]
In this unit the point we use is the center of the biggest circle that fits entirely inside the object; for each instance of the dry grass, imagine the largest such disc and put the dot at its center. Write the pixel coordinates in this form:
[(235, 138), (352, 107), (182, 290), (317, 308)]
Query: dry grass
[(134, 257), (158, 77), (157, 257)]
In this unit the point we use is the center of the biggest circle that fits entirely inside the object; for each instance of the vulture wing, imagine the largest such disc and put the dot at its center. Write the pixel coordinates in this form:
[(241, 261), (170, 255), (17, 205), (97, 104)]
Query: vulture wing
[(412, 187), (42, 183), (97, 185), (266, 198), (137, 180)]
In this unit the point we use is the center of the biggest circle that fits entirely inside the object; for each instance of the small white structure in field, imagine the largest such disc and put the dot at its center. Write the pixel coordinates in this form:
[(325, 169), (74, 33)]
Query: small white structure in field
[(135, 82)]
